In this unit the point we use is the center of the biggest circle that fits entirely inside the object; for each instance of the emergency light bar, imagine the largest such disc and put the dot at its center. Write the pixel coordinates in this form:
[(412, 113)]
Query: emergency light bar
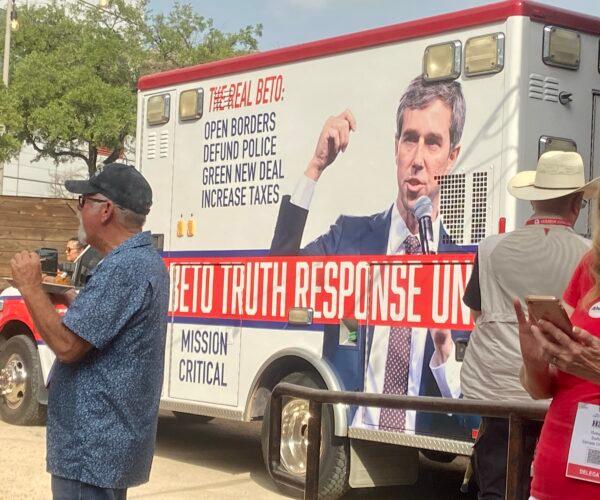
[(158, 109), (484, 54), (191, 104), (548, 143), (442, 61), (562, 47)]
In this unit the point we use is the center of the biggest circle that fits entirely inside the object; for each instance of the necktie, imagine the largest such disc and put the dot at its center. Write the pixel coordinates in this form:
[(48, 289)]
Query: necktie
[(398, 361)]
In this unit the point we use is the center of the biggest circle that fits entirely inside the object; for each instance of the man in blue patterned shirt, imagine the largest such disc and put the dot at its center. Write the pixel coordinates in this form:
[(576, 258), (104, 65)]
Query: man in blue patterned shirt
[(105, 385)]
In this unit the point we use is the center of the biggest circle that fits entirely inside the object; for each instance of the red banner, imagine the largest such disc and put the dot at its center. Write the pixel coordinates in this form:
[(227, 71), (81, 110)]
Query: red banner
[(418, 291)]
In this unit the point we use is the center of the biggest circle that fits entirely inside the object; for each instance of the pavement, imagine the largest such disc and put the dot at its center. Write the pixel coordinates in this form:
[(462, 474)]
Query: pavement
[(217, 460)]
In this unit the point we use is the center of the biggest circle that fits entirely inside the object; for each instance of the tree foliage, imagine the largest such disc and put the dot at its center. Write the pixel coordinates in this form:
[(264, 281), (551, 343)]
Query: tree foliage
[(74, 72), (183, 37), (10, 125)]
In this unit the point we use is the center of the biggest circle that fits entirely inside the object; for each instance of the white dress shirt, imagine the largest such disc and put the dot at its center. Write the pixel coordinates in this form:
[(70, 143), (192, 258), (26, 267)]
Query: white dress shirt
[(447, 375)]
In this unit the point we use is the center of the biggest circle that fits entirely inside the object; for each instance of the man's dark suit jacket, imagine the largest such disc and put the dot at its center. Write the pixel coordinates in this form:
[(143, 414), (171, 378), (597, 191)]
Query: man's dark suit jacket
[(366, 235)]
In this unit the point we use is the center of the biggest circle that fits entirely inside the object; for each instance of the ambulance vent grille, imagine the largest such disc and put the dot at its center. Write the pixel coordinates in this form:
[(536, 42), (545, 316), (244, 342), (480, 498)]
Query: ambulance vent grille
[(544, 88), (551, 89), (164, 144), (157, 145), (452, 207), (151, 146), (478, 206), (536, 86), (463, 207)]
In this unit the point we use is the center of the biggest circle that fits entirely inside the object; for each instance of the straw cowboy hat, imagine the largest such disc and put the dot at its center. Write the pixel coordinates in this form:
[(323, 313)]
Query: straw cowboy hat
[(558, 173)]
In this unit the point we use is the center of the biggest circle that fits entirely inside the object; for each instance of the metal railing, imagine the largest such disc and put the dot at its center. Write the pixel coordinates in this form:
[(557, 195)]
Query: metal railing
[(521, 416)]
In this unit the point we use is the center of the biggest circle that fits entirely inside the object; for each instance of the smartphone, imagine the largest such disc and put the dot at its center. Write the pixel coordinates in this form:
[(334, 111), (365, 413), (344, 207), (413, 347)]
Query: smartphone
[(549, 309)]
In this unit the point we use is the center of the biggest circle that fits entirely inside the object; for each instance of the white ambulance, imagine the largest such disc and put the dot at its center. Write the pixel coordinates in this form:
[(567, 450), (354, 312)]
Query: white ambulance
[(286, 185)]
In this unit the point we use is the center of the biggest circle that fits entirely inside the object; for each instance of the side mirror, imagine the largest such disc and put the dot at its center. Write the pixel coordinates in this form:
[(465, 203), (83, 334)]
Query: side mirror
[(84, 264), (158, 240)]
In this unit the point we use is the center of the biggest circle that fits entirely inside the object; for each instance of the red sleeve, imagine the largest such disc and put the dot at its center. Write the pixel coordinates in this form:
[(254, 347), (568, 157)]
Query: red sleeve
[(580, 283)]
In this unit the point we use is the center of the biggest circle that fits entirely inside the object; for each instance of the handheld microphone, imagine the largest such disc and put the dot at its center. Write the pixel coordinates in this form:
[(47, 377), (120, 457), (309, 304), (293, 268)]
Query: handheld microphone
[(422, 211)]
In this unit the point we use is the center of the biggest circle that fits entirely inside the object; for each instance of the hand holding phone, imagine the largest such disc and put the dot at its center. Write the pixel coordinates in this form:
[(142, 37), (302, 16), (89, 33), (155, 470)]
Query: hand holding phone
[(549, 309)]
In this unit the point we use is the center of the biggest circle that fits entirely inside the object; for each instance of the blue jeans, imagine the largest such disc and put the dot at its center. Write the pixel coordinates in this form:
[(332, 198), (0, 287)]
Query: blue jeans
[(67, 489)]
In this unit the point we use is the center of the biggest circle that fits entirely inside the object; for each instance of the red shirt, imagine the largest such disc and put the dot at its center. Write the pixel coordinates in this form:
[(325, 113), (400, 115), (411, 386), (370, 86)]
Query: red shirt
[(550, 464)]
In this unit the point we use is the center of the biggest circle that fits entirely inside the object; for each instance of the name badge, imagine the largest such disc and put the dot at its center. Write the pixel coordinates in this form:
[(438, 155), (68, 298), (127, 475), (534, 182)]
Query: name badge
[(594, 311), (584, 452)]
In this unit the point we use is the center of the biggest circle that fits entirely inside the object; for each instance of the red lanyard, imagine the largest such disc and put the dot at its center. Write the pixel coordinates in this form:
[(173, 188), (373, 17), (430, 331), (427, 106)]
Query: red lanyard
[(548, 221)]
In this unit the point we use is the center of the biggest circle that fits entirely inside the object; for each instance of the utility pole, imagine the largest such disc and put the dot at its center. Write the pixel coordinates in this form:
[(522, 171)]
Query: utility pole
[(7, 32)]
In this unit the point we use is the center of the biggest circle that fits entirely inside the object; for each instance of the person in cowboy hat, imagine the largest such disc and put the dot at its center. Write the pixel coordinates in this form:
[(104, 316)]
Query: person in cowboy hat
[(537, 259), (563, 365)]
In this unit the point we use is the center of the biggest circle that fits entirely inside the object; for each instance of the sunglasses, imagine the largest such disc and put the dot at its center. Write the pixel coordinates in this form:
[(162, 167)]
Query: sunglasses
[(82, 199)]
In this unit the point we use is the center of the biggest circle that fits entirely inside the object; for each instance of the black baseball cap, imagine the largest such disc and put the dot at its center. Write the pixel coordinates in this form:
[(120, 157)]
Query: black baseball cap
[(120, 183)]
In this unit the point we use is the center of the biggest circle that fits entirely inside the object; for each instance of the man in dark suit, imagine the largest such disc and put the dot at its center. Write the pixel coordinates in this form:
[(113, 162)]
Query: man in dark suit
[(430, 120)]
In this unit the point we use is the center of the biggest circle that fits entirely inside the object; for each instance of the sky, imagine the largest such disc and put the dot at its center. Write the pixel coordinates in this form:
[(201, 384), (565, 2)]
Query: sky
[(290, 22)]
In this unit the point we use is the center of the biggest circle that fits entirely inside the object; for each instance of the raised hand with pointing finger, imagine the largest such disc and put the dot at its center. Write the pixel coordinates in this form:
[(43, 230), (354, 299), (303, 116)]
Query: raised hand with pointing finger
[(333, 139)]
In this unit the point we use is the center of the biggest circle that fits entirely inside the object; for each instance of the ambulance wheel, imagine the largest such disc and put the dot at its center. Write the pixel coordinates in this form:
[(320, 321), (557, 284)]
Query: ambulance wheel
[(20, 374), (189, 418), (335, 456)]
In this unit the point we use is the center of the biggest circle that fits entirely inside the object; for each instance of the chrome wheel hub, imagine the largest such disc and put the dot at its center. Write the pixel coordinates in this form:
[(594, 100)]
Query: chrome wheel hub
[(13, 381), (294, 435)]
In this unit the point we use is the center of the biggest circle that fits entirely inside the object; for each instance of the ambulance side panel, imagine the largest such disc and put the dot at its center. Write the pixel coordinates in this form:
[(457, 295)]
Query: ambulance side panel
[(361, 181)]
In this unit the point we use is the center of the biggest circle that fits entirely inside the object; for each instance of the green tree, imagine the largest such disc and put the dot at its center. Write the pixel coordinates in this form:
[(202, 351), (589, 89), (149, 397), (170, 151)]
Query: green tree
[(183, 38), (10, 125), (74, 71)]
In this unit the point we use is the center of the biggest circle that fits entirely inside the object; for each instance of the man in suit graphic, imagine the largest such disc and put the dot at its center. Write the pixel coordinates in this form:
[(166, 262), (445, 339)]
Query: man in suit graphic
[(415, 361)]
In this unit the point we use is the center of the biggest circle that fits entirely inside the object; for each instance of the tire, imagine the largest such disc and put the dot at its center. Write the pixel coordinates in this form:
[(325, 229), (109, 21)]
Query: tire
[(20, 406), (335, 456), (189, 418)]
